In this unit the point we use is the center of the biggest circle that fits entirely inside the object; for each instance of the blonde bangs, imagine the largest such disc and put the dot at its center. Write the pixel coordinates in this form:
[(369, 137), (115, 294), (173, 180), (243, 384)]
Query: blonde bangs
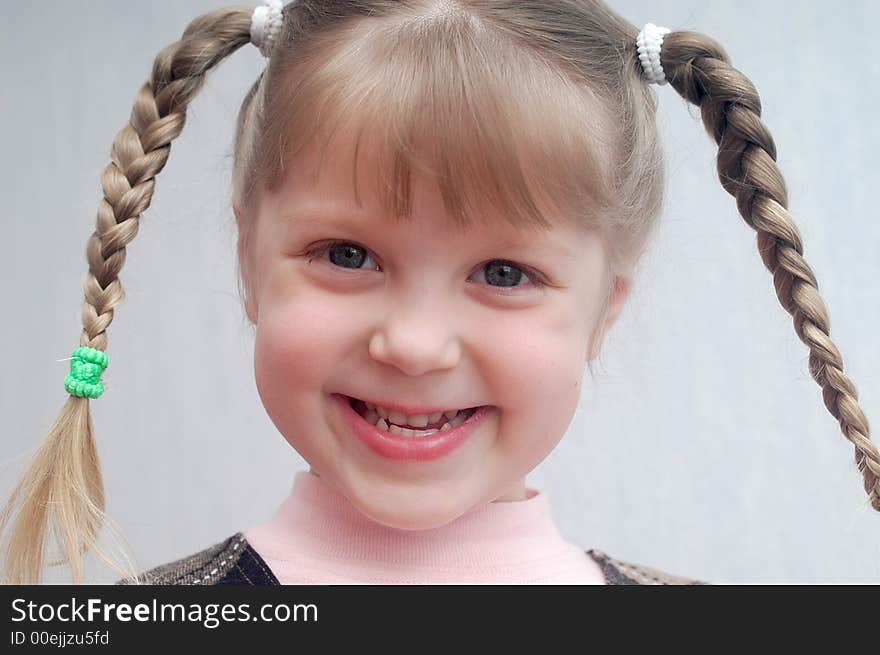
[(490, 123)]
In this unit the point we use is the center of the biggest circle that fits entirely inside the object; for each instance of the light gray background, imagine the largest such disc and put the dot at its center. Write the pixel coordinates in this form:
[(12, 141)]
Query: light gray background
[(702, 447)]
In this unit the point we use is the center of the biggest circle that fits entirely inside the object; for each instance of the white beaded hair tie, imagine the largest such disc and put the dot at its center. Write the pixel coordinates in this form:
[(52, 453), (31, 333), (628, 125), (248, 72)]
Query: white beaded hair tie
[(266, 24), (649, 42)]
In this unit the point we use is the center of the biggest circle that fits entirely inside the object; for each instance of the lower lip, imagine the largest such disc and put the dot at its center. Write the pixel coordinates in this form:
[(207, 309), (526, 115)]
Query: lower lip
[(395, 446)]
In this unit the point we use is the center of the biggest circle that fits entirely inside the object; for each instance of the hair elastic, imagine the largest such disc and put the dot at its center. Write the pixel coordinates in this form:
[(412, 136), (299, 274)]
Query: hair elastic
[(266, 25), (86, 366), (649, 42)]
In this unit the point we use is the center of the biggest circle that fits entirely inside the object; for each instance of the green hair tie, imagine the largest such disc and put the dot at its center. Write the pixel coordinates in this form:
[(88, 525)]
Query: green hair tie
[(86, 366)]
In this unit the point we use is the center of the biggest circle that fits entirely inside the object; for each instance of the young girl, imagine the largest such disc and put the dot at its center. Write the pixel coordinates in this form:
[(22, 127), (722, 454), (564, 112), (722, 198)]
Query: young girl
[(440, 206)]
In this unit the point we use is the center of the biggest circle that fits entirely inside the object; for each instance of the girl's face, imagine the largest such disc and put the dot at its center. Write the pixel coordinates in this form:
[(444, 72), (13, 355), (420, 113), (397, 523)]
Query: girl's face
[(417, 315)]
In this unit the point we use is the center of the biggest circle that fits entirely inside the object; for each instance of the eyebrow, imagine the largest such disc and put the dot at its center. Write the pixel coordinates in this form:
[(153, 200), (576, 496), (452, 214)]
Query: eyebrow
[(309, 216)]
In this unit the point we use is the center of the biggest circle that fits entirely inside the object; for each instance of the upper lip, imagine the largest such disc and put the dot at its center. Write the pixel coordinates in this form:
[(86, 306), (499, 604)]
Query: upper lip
[(411, 410)]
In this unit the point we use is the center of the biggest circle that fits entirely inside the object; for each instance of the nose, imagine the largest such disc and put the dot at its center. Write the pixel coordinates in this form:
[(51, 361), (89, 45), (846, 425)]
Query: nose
[(415, 339)]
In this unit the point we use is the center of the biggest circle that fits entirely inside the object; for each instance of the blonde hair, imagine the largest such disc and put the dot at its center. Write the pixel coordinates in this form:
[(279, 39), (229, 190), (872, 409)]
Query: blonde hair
[(538, 106)]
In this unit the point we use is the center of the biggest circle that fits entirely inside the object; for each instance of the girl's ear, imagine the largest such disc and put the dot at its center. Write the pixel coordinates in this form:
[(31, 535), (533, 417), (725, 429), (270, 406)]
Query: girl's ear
[(244, 264), (619, 295)]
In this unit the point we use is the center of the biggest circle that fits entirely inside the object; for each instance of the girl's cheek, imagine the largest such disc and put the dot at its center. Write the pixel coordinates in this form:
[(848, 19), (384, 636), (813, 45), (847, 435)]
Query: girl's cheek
[(292, 335), (537, 366)]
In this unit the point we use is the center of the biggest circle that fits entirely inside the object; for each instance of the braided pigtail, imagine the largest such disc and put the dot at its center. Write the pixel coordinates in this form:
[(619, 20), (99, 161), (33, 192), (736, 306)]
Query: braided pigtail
[(62, 488), (699, 70)]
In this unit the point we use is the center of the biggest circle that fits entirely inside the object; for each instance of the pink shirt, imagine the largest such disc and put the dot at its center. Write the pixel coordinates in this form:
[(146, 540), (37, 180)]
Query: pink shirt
[(318, 537)]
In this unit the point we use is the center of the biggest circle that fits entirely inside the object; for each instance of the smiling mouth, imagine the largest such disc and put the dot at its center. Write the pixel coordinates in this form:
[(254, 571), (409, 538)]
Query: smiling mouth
[(445, 419), (410, 444)]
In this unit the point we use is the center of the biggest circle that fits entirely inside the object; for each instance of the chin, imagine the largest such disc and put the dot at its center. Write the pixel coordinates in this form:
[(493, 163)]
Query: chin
[(408, 516)]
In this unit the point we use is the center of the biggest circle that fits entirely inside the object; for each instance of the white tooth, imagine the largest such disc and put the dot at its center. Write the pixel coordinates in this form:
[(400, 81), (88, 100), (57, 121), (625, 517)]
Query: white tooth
[(405, 432), (397, 417), (410, 434), (383, 419)]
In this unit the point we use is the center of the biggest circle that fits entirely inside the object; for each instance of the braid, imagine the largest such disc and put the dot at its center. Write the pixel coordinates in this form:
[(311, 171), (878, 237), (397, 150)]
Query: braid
[(63, 485), (700, 71)]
